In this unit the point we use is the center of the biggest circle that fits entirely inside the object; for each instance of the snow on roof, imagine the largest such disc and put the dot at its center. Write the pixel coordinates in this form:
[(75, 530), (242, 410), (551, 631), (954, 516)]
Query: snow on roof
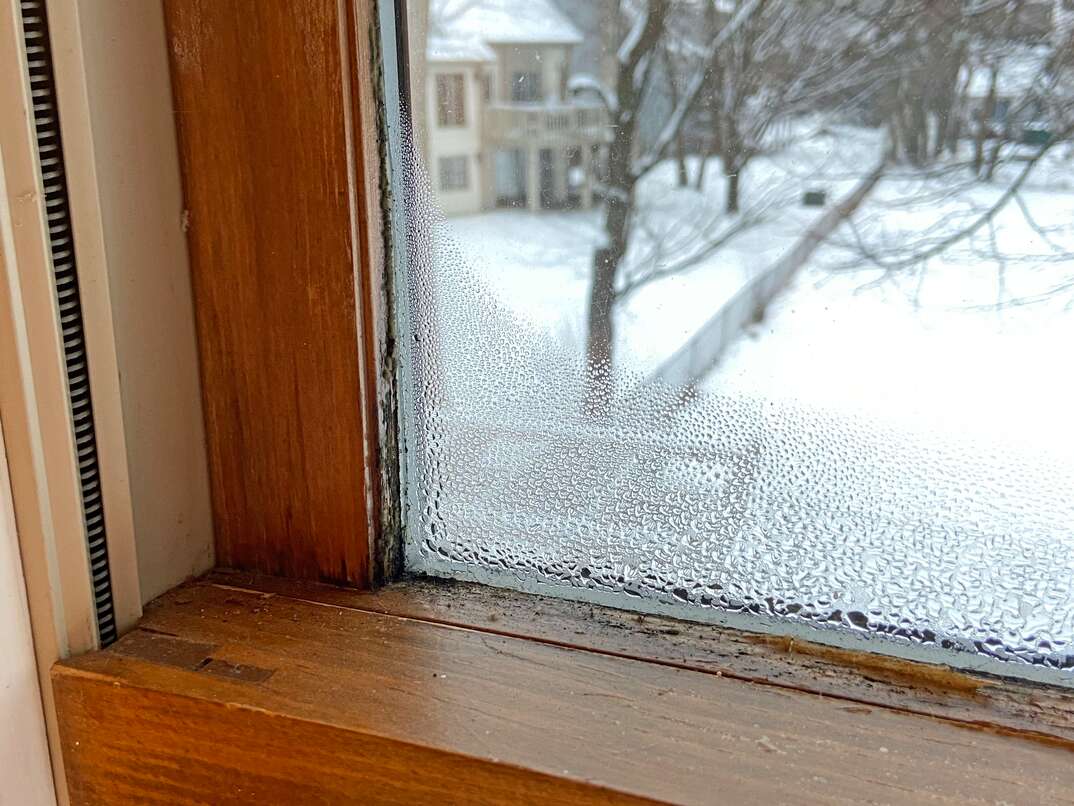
[(445, 49), (505, 22), (1018, 72)]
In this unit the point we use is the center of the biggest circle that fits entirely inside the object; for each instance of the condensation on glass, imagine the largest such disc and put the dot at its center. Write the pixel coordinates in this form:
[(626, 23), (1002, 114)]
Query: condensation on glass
[(751, 312)]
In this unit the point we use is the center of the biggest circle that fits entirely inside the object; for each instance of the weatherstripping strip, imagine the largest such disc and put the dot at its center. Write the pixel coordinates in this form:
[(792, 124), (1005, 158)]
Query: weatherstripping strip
[(65, 278)]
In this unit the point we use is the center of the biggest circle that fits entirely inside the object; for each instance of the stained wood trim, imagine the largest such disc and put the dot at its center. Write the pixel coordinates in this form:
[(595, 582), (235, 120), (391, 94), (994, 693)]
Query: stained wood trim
[(257, 756), (273, 108), (245, 695), (1002, 705)]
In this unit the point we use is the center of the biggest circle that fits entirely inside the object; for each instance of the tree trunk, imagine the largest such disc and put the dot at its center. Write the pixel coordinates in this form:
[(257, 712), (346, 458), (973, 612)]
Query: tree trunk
[(920, 128), (600, 330), (994, 153), (895, 137), (673, 96), (984, 122), (680, 160), (731, 205), (699, 182), (954, 132), (618, 206), (944, 115), (952, 129), (907, 136), (619, 210), (599, 335)]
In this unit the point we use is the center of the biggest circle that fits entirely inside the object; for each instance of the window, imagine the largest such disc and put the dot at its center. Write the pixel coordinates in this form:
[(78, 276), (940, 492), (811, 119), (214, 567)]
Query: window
[(242, 655), (450, 100), (454, 173), (807, 375), (526, 87)]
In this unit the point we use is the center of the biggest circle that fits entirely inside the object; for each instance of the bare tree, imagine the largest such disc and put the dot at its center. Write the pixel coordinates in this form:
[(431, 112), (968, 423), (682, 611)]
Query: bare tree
[(969, 196), (672, 69), (628, 162), (756, 65), (785, 60)]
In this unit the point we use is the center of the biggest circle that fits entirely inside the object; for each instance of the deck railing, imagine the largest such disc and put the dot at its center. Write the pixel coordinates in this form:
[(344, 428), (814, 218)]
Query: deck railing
[(525, 124)]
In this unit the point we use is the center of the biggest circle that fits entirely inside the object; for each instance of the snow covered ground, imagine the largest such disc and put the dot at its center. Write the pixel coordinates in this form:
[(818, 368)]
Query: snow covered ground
[(926, 348), (538, 265), (930, 348), (890, 455)]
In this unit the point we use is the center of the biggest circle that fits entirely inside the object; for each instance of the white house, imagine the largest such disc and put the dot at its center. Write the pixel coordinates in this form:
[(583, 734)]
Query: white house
[(500, 128)]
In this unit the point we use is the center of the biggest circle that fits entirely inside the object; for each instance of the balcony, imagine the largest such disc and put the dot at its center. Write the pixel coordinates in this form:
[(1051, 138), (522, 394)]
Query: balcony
[(545, 125)]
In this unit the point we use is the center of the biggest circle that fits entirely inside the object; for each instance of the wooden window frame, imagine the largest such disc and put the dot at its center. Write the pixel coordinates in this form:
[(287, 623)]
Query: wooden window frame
[(368, 695), (432, 691)]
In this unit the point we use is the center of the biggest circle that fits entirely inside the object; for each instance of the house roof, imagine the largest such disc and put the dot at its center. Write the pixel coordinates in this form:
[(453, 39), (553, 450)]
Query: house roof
[(507, 22), (446, 49)]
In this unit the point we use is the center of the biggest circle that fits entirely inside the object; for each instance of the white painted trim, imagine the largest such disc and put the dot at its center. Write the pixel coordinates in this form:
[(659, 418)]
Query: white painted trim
[(33, 399), (91, 254), (24, 751), (111, 66)]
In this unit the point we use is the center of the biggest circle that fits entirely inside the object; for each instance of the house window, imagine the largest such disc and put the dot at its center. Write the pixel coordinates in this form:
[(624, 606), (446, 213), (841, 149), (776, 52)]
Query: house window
[(809, 376), (526, 87), (450, 100), (454, 173)]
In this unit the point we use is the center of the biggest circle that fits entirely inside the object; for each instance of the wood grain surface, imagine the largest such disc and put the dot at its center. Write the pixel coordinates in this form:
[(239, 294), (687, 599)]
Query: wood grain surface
[(867, 678), (263, 109), (300, 701)]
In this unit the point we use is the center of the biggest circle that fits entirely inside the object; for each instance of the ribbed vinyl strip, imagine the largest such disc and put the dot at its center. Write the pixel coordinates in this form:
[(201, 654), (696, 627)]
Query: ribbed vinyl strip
[(65, 278)]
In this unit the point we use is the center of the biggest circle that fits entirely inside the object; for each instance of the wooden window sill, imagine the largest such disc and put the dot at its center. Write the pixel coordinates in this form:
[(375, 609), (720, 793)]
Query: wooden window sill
[(246, 689)]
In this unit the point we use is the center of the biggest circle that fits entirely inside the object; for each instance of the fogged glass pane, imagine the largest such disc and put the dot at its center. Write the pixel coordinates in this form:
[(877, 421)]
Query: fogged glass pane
[(753, 312)]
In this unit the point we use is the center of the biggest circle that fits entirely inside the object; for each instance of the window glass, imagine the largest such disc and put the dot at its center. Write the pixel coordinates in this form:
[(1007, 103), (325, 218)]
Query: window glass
[(450, 103), (526, 87), (767, 320), (453, 174)]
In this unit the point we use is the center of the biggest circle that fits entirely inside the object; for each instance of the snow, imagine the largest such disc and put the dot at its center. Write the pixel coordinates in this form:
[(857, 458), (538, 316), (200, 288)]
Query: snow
[(929, 350), (538, 265), (508, 22), (924, 353), (630, 42), (446, 49), (584, 82), (897, 448), (1019, 71)]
